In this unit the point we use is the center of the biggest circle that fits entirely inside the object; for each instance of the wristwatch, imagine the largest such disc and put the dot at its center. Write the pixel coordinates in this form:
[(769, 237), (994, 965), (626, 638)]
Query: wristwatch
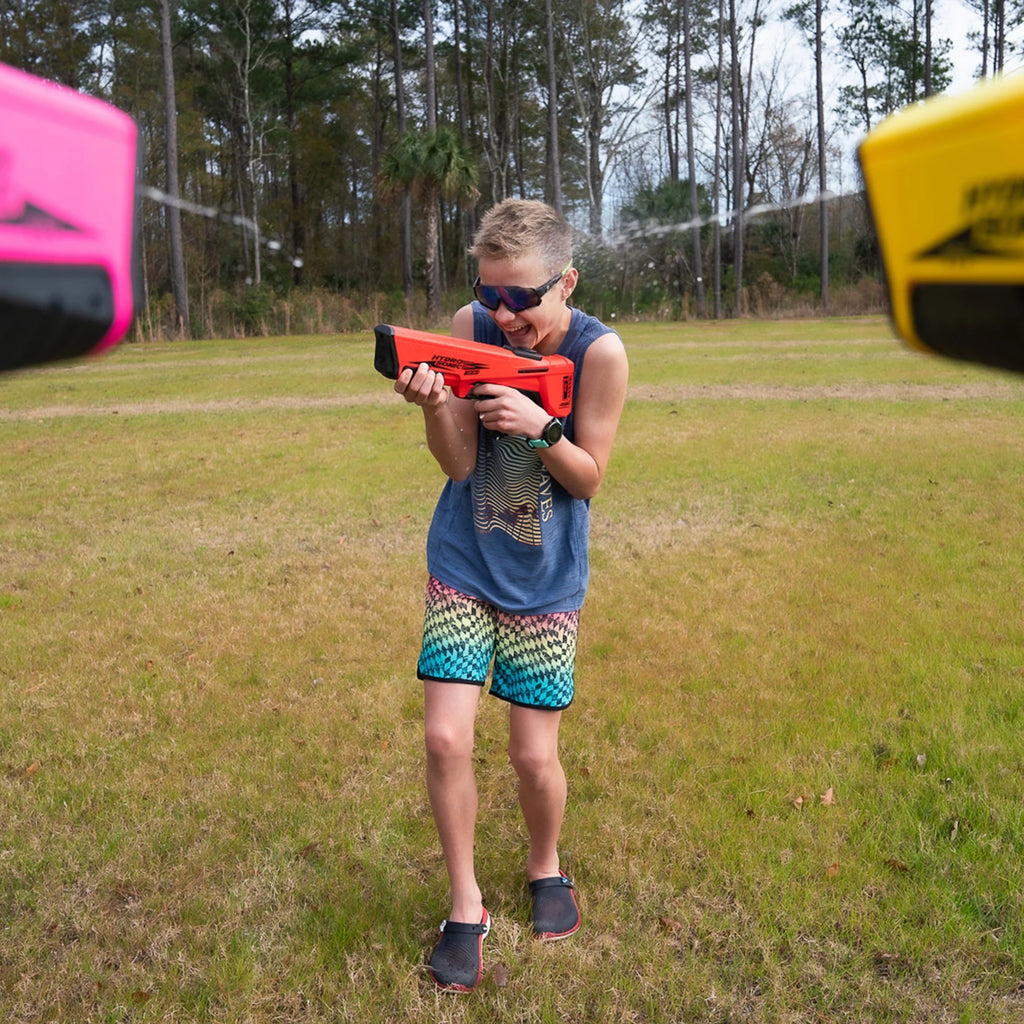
[(551, 433)]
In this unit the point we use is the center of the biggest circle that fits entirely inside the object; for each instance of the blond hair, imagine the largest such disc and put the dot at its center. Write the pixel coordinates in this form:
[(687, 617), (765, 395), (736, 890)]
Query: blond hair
[(518, 228)]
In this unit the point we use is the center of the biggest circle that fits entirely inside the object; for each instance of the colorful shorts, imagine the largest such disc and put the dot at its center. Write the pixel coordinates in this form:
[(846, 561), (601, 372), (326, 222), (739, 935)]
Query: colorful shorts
[(533, 655)]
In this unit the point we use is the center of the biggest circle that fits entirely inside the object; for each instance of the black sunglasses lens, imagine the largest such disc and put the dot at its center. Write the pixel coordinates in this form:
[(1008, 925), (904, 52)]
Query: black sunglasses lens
[(486, 295), (516, 299)]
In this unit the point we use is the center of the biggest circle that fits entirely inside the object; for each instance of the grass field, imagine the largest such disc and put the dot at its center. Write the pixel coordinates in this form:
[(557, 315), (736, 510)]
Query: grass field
[(795, 758)]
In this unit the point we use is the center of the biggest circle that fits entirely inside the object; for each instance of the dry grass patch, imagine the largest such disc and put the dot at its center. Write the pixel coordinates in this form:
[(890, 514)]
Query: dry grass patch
[(805, 582)]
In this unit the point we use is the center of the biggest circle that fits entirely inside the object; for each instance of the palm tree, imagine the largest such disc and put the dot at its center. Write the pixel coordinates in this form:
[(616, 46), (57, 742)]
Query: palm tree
[(430, 166)]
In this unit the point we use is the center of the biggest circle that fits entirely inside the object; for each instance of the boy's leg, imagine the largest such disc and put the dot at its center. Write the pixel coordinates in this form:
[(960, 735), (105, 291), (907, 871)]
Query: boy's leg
[(450, 716), (533, 750)]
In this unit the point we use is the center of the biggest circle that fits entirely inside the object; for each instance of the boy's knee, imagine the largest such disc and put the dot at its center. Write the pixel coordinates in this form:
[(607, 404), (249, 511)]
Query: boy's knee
[(445, 743), (532, 762)]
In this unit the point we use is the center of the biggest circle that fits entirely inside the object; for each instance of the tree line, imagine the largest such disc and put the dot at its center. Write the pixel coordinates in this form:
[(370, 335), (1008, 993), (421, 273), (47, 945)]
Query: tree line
[(320, 164)]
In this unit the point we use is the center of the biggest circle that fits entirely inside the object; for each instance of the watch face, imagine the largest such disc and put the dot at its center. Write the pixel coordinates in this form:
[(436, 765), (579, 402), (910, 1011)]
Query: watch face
[(552, 432)]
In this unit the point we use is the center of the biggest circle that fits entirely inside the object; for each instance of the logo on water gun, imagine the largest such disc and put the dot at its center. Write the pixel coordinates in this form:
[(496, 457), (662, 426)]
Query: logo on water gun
[(994, 211)]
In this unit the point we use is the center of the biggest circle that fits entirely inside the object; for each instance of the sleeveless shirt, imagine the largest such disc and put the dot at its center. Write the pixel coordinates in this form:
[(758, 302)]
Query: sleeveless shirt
[(510, 534)]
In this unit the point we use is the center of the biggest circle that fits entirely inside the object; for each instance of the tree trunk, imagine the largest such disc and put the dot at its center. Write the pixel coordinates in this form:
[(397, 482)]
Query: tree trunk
[(405, 212), (179, 284), (998, 35), (294, 191), (554, 160), (595, 182), (691, 162), (985, 33), (737, 159), (430, 70), (670, 87), (245, 66), (822, 161), (432, 202), (927, 48), (716, 198)]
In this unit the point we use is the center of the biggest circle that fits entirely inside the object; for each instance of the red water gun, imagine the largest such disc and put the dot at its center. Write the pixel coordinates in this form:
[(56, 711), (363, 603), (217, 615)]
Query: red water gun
[(68, 262), (468, 365)]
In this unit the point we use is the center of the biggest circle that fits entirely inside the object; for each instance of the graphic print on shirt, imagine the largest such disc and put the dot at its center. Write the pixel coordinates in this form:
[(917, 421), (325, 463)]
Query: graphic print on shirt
[(508, 488)]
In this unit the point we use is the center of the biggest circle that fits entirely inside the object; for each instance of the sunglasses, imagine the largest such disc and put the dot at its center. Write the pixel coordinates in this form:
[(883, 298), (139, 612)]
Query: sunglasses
[(516, 299)]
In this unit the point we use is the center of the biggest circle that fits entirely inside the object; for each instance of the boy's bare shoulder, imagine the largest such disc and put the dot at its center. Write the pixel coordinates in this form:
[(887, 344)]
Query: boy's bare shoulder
[(462, 323), (608, 348)]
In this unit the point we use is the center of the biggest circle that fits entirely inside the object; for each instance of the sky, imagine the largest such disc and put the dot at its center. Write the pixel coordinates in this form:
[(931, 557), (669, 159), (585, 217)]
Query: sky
[(953, 20)]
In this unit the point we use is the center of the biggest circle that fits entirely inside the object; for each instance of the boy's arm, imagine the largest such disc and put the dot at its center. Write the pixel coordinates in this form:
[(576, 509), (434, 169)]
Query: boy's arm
[(450, 423), (578, 465)]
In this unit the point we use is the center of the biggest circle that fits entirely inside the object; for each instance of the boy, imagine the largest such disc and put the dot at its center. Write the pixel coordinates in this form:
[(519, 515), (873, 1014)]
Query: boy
[(507, 561)]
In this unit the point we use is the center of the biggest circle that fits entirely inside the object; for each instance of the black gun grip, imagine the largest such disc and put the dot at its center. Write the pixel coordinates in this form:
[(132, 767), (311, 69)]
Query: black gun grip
[(385, 356)]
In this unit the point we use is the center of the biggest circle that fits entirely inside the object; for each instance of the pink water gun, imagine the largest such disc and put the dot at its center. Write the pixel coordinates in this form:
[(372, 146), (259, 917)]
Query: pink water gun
[(68, 265)]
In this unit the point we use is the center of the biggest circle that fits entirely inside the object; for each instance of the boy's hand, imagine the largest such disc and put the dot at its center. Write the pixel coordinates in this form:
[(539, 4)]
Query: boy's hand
[(508, 411), (423, 387)]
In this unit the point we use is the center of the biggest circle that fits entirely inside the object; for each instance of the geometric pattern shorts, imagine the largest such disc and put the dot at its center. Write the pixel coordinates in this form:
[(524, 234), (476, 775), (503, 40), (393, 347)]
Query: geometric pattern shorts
[(531, 657)]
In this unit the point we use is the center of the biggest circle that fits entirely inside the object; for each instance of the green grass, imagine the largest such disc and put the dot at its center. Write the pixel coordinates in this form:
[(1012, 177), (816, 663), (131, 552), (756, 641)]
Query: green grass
[(806, 578)]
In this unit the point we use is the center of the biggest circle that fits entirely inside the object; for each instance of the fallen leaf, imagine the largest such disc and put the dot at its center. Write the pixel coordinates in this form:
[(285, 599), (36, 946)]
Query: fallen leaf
[(31, 769), (828, 797), (833, 870), (895, 864), (141, 997), (798, 803), (885, 962), (500, 975), (670, 924)]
